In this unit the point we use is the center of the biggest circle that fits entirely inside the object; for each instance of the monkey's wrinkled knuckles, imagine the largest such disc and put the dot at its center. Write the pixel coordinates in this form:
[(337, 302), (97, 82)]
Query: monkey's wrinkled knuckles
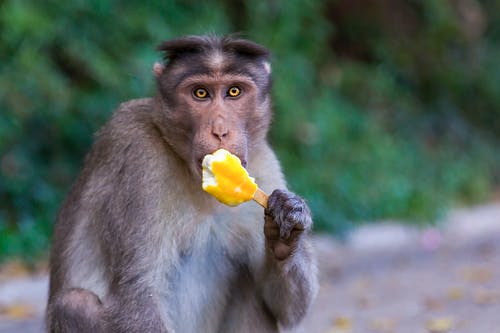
[(287, 219)]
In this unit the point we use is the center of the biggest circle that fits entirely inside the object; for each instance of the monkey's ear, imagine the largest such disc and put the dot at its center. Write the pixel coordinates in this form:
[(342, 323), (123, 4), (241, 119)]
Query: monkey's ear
[(158, 69), (267, 66)]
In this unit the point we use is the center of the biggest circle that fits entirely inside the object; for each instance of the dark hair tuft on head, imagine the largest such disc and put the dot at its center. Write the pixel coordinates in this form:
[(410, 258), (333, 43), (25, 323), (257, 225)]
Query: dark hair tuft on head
[(244, 47), (175, 47), (197, 44)]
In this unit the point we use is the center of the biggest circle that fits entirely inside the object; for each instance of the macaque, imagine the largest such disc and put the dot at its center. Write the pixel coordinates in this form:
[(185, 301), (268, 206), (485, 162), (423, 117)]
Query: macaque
[(140, 247)]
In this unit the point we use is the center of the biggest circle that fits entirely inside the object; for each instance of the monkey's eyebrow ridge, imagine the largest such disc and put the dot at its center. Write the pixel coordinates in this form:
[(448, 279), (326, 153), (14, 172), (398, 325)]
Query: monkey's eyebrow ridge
[(224, 77)]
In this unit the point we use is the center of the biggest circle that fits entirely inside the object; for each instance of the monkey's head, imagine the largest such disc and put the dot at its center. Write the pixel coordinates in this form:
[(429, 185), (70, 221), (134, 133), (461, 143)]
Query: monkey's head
[(214, 93)]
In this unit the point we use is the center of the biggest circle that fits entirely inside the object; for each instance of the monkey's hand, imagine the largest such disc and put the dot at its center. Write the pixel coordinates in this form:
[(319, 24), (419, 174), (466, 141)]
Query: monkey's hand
[(287, 218)]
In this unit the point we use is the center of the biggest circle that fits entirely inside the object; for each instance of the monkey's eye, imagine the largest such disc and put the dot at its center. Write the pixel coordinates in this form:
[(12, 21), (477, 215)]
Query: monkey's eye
[(200, 93), (234, 91)]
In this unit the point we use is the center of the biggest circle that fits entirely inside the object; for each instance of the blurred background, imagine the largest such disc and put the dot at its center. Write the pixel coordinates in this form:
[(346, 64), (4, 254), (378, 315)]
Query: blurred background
[(383, 109)]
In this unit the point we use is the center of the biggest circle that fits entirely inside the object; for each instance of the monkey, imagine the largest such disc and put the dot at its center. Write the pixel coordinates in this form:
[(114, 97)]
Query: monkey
[(138, 246)]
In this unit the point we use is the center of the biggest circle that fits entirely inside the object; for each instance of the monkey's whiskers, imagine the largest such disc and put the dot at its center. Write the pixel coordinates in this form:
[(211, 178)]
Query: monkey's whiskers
[(227, 180)]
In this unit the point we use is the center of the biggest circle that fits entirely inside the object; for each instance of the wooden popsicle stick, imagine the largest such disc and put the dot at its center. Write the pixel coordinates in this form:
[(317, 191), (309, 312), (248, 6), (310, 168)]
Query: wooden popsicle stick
[(260, 197)]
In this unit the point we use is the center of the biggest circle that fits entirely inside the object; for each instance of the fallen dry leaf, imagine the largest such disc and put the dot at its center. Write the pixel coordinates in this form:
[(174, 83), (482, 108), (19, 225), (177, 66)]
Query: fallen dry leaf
[(18, 311), (439, 325), (476, 274), (486, 297), (13, 269), (383, 325), (362, 284), (341, 325), (455, 294), (363, 301), (433, 303), (361, 290), (342, 322)]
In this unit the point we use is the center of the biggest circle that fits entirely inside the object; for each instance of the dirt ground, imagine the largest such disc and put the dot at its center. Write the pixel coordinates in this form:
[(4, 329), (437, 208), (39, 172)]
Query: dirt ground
[(385, 278)]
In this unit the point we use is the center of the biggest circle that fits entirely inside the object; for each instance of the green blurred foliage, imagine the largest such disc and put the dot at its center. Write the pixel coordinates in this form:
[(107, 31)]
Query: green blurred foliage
[(383, 109)]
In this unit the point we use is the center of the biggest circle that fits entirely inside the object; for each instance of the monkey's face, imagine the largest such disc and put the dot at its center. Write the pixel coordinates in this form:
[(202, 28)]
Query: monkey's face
[(216, 111), (216, 99), (221, 109)]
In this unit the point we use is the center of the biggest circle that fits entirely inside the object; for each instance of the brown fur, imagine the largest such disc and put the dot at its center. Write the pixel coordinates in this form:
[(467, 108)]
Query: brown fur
[(139, 247)]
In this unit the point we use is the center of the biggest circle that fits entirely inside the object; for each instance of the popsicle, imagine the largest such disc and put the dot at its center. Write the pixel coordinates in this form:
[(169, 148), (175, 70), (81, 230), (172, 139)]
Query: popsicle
[(226, 179)]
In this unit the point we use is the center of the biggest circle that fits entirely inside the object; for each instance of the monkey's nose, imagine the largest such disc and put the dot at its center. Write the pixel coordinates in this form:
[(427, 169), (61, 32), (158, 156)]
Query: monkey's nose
[(219, 129), (220, 134)]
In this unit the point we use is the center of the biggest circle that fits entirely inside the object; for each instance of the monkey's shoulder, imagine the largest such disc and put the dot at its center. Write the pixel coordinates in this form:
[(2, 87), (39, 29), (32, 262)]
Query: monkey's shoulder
[(137, 104), (131, 124), (129, 144), (132, 115)]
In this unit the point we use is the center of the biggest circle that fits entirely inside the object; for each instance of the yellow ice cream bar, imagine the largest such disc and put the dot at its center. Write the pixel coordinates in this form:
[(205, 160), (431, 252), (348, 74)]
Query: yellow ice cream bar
[(227, 180)]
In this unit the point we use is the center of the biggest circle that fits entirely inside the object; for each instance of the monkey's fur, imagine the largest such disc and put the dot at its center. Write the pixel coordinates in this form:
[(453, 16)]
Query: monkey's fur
[(139, 247)]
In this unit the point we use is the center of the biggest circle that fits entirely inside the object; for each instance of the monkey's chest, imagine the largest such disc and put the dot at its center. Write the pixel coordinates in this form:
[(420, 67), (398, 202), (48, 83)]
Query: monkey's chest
[(200, 288)]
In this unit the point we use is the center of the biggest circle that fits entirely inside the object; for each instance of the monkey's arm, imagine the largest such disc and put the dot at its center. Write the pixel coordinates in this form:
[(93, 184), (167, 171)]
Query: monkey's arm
[(133, 230), (290, 282), (132, 304)]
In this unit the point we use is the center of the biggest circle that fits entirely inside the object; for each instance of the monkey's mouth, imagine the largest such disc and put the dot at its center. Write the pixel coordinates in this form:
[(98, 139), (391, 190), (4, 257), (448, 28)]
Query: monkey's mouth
[(199, 164)]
